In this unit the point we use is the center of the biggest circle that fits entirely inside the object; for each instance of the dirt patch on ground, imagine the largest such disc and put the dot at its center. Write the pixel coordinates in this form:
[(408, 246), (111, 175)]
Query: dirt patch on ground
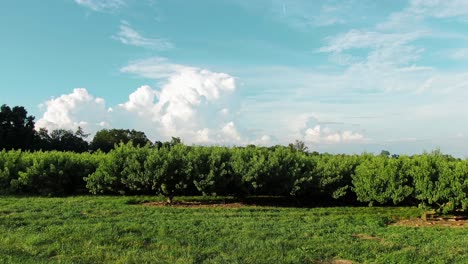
[(341, 261), (197, 204), (334, 261), (418, 222), (367, 237)]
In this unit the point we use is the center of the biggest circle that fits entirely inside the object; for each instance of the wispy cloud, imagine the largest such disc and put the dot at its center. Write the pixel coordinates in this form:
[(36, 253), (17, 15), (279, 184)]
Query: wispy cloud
[(355, 39), (154, 68), (129, 36), (304, 15), (102, 5), (459, 54), (418, 10), (330, 15), (385, 61)]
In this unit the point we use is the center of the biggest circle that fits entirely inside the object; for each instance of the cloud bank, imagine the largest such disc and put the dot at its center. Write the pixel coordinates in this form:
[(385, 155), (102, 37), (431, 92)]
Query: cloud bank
[(195, 104), (199, 105)]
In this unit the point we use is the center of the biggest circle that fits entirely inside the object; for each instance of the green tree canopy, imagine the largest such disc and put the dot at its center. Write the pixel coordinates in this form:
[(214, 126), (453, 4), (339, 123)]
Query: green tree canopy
[(106, 139), (298, 145), (16, 128), (67, 140)]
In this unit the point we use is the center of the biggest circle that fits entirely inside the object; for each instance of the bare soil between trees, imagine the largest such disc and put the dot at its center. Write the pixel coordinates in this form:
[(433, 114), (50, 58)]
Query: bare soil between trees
[(418, 222), (413, 222), (230, 203), (193, 204)]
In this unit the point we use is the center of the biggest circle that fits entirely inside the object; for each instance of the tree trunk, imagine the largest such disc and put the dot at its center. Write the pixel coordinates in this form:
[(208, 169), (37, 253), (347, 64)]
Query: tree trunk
[(170, 198)]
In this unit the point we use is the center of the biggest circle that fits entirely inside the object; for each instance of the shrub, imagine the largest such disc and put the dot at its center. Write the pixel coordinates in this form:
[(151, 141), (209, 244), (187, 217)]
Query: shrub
[(334, 174), (212, 172), (440, 182), (305, 186), (11, 163), (281, 168), (120, 171), (381, 179), (248, 164), (169, 170)]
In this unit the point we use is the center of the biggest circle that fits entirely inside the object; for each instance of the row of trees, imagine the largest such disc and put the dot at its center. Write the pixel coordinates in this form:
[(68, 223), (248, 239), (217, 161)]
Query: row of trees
[(430, 180), (17, 131)]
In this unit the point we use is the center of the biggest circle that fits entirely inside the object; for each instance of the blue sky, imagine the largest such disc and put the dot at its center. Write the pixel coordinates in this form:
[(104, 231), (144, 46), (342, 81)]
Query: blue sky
[(343, 76)]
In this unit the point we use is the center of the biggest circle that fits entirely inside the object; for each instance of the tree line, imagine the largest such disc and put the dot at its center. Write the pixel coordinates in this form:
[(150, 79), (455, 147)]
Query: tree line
[(126, 162), (17, 131), (430, 180)]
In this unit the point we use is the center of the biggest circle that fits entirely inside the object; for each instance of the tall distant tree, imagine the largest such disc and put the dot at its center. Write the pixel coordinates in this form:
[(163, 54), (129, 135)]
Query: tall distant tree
[(16, 128), (385, 153), (61, 140), (80, 133), (106, 139), (298, 145), (67, 140), (174, 142), (42, 140), (158, 144)]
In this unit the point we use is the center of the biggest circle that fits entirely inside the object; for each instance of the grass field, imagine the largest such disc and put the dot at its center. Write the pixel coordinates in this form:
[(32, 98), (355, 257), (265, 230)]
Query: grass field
[(93, 229)]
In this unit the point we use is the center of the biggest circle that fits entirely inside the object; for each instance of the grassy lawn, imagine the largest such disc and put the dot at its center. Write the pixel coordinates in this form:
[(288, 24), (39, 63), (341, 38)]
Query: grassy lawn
[(93, 229)]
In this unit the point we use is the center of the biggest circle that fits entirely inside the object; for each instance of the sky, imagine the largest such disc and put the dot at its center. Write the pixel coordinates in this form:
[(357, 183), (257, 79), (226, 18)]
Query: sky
[(343, 76)]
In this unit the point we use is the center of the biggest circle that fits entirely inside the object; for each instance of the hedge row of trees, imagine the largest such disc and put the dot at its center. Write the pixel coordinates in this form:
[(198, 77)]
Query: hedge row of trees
[(431, 179), (51, 173)]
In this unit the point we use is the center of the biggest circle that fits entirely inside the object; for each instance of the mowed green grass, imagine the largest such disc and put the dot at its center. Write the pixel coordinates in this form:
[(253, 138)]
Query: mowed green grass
[(93, 229)]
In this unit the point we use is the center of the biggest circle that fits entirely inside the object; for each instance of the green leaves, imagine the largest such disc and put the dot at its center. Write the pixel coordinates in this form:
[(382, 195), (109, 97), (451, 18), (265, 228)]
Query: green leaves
[(106, 139), (383, 180), (440, 182), (45, 173), (169, 170), (432, 179), (16, 128), (212, 172)]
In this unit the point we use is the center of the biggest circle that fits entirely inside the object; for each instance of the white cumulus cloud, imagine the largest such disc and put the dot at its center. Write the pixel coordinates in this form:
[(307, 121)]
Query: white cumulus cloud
[(195, 104), (188, 102), (230, 132), (69, 111), (317, 134)]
